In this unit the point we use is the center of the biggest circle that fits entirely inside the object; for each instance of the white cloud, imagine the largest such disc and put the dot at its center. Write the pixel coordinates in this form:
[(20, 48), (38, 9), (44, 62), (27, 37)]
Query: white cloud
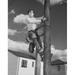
[(20, 19), (17, 46), (52, 2), (23, 48), (12, 32), (11, 12), (59, 54)]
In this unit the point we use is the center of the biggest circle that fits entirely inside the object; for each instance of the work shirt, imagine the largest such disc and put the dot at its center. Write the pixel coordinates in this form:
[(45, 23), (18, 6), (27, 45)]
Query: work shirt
[(31, 22)]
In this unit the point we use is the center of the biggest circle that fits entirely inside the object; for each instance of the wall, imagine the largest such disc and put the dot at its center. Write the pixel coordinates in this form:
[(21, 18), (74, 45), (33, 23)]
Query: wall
[(12, 67), (12, 64), (29, 70)]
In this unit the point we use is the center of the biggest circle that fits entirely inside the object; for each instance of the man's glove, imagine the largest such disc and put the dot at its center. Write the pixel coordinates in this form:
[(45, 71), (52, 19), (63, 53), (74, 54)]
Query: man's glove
[(43, 19)]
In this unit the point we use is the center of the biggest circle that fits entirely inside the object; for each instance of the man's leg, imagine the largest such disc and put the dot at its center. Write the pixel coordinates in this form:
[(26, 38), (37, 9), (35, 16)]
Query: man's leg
[(38, 39), (31, 37), (31, 47)]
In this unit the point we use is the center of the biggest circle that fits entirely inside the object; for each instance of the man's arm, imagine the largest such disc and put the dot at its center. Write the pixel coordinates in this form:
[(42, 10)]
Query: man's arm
[(41, 18), (36, 20)]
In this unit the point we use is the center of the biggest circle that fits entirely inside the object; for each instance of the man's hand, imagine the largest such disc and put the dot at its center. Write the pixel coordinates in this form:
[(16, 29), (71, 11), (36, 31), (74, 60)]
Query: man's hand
[(41, 18), (44, 19)]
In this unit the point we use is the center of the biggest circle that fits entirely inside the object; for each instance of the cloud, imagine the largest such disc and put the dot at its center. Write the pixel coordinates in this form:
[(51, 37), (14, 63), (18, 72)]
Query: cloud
[(11, 12), (17, 46), (21, 47), (20, 19), (52, 2), (59, 54), (63, 55), (12, 32), (24, 48)]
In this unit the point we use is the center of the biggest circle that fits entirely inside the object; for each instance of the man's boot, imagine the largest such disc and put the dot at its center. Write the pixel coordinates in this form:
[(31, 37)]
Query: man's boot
[(31, 47)]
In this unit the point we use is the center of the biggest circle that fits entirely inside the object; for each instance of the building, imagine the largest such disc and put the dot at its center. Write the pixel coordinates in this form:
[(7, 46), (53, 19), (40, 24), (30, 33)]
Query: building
[(23, 64), (26, 66)]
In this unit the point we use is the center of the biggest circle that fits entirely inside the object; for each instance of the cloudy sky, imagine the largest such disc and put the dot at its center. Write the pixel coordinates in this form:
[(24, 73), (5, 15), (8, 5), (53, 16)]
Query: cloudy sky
[(58, 21)]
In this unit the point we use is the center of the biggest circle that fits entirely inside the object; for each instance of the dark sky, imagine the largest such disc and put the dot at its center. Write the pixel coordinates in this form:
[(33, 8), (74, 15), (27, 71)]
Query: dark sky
[(58, 20)]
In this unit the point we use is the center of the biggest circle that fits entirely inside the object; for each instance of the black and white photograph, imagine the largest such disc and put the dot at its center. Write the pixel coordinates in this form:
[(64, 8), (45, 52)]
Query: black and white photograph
[(37, 37)]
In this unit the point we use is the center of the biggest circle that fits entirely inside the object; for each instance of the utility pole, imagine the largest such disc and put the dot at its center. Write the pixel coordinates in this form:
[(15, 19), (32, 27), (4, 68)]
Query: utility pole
[(38, 64), (38, 60), (47, 39), (47, 44)]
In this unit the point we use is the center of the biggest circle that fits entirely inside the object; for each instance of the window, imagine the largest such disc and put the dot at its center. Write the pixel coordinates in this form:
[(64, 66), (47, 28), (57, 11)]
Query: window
[(24, 63), (32, 64)]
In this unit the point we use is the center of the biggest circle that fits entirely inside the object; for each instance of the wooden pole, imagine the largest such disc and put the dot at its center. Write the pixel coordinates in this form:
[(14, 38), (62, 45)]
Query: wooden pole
[(38, 60), (38, 64), (47, 39)]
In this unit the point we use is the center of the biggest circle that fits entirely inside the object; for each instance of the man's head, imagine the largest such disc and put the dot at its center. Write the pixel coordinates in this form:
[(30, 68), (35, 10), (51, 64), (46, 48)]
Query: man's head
[(31, 13)]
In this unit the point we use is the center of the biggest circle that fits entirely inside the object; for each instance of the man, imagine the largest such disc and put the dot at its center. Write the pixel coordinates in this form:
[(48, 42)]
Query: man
[(32, 24)]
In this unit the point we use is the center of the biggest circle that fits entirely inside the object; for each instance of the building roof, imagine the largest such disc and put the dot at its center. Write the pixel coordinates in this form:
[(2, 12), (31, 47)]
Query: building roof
[(55, 61)]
